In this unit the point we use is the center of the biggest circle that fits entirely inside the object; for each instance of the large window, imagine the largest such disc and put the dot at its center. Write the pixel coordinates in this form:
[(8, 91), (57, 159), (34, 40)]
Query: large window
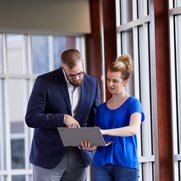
[(133, 28), (175, 65), (133, 38), (22, 58)]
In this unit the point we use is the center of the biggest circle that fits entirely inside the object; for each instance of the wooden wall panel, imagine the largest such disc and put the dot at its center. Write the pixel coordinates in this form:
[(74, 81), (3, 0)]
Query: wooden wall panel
[(93, 43), (93, 40), (165, 153), (109, 27)]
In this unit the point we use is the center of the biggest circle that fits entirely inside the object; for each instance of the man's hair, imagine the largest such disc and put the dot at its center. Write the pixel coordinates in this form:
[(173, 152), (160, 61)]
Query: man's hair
[(71, 58)]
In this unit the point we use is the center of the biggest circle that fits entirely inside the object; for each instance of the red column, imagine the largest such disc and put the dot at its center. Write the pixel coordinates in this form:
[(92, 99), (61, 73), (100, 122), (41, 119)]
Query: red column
[(109, 29), (102, 16), (164, 152), (93, 44)]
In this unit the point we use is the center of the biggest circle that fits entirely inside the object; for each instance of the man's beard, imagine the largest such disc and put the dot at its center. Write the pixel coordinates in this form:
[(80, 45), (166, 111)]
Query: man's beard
[(76, 84)]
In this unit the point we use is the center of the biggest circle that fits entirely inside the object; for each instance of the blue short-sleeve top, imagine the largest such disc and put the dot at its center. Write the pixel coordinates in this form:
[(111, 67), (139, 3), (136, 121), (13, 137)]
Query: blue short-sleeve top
[(123, 150)]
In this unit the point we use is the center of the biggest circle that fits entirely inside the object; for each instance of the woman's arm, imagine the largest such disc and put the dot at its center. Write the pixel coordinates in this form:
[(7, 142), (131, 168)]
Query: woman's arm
[(132, 129)]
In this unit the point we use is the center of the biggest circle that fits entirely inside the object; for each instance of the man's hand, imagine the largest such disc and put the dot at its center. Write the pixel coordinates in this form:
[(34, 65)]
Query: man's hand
[(70, 122), (86, 145)]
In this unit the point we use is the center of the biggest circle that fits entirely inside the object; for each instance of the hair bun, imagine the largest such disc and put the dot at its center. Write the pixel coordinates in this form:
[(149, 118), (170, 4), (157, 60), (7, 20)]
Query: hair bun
[(126, 60)]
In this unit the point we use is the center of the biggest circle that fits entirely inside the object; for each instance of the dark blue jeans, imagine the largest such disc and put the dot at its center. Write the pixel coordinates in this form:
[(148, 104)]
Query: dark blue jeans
[(114, 173)]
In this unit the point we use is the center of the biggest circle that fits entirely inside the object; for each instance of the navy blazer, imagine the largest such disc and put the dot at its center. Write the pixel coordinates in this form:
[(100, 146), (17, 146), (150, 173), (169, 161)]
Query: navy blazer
[(48, 103)]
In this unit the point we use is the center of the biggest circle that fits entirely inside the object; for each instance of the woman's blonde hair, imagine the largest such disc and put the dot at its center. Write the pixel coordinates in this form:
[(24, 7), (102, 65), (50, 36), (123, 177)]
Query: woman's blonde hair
[(122, 64)]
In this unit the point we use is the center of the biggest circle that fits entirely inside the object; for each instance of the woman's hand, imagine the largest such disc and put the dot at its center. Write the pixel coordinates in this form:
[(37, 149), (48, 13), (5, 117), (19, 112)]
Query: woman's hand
[(102, 131), (86, 145)]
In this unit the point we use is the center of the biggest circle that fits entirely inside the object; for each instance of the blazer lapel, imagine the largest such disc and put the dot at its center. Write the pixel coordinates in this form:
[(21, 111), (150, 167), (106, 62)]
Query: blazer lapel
[(64, 89), (83, 97)]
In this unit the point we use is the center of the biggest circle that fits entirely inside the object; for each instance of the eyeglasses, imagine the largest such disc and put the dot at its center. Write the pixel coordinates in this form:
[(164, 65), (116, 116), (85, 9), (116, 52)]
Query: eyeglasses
[(72, 76)]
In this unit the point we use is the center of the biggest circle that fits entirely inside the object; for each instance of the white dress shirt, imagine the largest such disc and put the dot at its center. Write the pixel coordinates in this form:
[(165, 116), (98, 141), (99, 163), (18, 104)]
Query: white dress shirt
[(74, 95)]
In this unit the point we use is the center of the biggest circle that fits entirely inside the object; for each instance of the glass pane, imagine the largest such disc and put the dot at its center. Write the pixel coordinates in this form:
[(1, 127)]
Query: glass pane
[(1, 118), (127, 42), (142, 8), (177, 3), (15, 54), (18, 178), (126, 11), (17, 153), (16, 100), (178, 63), (2, 130), (61, 44), (127, 48), (1, 53), (40, 54), (3, 178), (17, 127)]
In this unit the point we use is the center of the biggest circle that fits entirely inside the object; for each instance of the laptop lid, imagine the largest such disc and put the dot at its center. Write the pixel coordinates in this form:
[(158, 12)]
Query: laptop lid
[(74, 136)]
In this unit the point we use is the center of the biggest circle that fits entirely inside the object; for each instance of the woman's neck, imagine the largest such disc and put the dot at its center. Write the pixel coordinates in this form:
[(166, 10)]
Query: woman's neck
[(117, 100)]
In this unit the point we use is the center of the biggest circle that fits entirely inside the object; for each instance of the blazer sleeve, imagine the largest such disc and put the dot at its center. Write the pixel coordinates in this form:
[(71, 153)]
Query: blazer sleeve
[(36, 116)]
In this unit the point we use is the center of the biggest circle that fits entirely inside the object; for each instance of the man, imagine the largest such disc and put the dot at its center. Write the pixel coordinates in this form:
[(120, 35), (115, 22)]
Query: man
[(66, 97)]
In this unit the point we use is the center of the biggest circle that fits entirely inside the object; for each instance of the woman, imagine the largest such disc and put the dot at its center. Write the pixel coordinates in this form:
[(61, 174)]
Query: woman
[(119, 120)]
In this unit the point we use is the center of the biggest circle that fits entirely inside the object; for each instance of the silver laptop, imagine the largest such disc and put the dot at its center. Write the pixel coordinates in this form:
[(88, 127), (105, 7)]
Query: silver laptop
[(74, 136)]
